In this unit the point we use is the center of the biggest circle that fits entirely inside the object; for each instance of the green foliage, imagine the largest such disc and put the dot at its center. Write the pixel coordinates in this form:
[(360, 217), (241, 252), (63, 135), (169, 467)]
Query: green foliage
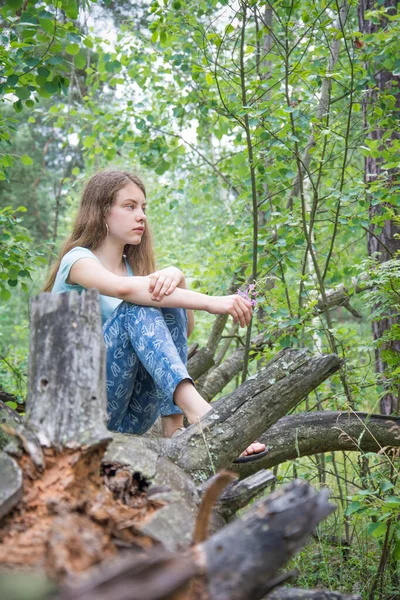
[(379, 503), (383, 296), (36, 44), (17, 257)]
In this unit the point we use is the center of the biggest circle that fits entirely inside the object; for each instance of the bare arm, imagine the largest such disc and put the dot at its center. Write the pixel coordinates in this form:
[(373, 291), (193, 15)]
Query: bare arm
[(88, 273)]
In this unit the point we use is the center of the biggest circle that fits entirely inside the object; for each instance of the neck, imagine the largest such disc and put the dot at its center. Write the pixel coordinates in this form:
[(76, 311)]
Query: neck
[(110, 254)]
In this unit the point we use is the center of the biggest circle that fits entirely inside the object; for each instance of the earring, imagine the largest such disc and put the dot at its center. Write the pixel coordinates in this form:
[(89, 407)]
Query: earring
[(108, 230)]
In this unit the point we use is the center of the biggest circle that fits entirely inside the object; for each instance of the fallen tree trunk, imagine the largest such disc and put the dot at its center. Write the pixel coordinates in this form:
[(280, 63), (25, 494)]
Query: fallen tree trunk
[(225, 569), (316, 432)]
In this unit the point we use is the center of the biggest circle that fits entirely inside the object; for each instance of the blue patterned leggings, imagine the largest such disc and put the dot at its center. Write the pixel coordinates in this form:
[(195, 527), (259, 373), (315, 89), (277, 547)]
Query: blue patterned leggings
[(146, 359)]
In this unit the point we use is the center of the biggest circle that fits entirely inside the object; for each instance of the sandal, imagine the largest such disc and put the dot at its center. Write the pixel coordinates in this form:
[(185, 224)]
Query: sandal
[(252, 457)]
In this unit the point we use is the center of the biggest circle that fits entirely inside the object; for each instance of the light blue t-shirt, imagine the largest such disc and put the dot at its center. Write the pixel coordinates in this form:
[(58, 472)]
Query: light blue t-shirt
[(107, 303)]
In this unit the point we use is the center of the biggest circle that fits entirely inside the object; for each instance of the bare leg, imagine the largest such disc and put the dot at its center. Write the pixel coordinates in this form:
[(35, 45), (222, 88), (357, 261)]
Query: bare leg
[(194, 406), (170, 424)]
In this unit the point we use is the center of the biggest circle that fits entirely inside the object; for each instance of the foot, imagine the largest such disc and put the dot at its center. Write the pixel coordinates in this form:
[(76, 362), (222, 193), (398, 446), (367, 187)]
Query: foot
[(254, 448)]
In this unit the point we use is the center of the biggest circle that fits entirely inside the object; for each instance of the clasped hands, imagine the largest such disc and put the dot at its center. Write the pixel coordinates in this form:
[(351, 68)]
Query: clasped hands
[(164, 281)]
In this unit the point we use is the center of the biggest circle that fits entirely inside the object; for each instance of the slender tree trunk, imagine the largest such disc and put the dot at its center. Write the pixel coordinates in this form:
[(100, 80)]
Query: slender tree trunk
[(382, 244)]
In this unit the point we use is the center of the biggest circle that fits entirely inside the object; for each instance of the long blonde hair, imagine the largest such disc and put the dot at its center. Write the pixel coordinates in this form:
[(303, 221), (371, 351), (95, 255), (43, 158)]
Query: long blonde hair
[(89, 229)]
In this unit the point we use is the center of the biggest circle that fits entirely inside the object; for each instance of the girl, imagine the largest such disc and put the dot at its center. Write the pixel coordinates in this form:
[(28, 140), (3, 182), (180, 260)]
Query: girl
[(146, 317)]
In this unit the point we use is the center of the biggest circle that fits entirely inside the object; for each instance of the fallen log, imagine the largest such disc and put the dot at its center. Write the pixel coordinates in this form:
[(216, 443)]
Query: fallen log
[(305, 434), (238, 494), (239, 562)]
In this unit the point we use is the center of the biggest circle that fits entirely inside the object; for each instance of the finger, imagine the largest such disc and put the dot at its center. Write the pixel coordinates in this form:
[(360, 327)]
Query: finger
[(247, 311), (234, 315), (243, 299), (163, 289), (247, 314), (171, 288), (153, 279), (242, 318), (157, 287)]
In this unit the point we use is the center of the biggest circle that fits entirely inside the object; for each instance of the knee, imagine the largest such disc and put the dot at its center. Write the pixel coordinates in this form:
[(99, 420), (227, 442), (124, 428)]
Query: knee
[(176, 317)]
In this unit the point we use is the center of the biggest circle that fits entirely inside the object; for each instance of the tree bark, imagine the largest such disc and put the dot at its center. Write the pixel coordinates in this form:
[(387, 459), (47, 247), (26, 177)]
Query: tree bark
[(384, 244), (67, 395), (9, 418), (315, 432), (288, 515), (284, 593), (239, 493), (11, 484)]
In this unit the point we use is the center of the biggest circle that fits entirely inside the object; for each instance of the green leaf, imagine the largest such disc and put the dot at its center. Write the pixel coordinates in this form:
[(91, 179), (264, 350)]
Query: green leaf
[(71, 9), (80, 60), (89, 141), (22, 93), (50, 87), (377, 530), (162, 167), (393, 502), (163, 38), (5, 295), (12, 80), (26, 160), (17, 106), (396, 551), (386, 485), (209, 78), (72, 49), (353, 508), (14, 3), (43, 72)]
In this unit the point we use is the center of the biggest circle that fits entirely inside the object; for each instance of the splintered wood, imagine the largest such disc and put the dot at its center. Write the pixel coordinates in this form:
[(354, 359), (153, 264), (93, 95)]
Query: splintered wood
[(70, 517)]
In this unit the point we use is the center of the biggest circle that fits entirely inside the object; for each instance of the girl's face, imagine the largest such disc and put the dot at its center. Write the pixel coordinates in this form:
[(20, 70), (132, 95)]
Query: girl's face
[(126, 219)]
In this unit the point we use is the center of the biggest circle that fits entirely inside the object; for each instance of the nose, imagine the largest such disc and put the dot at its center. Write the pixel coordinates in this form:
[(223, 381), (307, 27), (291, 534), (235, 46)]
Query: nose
[(141, 216)]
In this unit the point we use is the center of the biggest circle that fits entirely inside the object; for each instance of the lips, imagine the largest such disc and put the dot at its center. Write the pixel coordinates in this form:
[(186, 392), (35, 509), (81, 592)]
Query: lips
[(139, 230)]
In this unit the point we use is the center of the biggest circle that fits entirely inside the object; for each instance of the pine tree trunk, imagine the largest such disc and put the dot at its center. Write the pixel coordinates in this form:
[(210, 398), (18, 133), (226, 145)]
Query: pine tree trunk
[(382, 244)]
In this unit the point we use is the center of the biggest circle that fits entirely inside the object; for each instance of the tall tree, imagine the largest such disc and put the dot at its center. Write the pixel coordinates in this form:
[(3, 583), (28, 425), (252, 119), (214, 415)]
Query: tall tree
[(381, 110)]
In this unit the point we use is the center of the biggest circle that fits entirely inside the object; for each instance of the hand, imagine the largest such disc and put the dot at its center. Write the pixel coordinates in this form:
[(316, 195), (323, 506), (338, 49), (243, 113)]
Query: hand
[(238, 307), (163, 282)]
